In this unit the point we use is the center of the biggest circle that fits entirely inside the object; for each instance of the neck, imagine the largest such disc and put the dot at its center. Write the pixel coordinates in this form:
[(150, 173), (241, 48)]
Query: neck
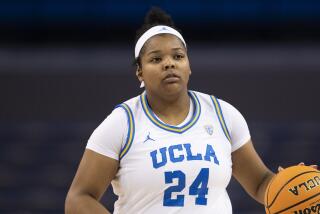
[(171, 110)]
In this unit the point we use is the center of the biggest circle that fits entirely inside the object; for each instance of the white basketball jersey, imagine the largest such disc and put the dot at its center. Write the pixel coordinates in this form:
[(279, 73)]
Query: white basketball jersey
[(170, 169)]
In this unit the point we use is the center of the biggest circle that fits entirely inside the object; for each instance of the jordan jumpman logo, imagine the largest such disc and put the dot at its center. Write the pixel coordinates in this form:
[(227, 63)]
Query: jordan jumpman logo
[(148, 138)]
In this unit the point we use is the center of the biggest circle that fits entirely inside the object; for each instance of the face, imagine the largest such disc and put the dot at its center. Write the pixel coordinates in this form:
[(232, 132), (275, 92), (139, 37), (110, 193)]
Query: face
[(165, 67)]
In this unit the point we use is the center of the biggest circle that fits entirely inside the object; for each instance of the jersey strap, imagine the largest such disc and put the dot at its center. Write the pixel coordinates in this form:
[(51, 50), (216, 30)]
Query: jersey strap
[(131, 130), (218, 109)]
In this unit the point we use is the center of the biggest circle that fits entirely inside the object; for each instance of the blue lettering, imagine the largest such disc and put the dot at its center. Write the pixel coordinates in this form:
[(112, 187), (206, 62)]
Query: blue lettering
[(190, 156), (155, 162), (210, 153), (171, 153), (181, 152)]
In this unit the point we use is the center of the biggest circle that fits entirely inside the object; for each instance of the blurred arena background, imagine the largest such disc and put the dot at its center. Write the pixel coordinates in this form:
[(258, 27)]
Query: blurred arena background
[(64, 65)]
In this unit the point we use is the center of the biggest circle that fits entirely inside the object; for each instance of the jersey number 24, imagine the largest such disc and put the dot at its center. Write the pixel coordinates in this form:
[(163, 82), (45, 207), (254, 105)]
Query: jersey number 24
[(199, 188)]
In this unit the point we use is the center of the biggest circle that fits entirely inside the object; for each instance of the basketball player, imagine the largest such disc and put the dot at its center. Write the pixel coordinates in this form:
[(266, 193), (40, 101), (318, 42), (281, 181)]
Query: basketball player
[(170, 149)]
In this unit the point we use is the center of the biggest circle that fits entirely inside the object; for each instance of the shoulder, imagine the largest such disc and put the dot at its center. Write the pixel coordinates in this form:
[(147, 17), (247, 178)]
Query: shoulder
[(117, 118), (199, 94), (203, 98), (131, 104), (217, 102), (227, 107), (119, 114), (236, 124), (132, 101), (230, 113)]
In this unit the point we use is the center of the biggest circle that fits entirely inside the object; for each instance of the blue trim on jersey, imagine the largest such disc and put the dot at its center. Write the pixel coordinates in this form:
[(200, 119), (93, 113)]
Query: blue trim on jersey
[(131, 130), (149, 113), (219, 113)]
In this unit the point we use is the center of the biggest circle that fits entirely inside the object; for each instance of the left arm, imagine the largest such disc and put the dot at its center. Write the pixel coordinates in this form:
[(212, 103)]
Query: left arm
[(250, 171), (247, 167)]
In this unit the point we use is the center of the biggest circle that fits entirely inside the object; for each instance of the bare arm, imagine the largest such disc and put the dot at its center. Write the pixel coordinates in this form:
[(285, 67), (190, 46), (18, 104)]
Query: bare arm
[(94, 174), (250, 171)]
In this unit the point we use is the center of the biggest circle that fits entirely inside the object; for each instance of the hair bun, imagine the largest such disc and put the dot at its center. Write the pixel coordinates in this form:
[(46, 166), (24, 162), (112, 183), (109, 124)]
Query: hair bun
[(157, 16)]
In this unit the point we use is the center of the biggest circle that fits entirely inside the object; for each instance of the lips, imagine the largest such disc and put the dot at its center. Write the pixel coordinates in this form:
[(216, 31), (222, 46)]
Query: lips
[(171, 78)]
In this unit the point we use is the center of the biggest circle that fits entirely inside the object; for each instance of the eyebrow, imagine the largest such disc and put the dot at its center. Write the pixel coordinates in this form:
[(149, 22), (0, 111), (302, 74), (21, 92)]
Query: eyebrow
[(153, 52), (177, 49), (158, 51)]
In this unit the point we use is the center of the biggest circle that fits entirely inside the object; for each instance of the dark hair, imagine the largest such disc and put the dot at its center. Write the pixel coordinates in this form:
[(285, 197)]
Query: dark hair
[(155, 16)]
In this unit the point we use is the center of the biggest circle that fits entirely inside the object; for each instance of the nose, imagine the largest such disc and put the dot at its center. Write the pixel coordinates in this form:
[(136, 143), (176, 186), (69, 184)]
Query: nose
[(168, 64)]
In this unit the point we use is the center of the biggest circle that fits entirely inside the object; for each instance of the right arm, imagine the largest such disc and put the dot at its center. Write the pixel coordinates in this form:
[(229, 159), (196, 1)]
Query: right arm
[(99, 165), (93, 176)]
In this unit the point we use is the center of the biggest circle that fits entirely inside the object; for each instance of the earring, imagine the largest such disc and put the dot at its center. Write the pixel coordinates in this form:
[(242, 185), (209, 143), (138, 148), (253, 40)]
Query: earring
[(142, 84)]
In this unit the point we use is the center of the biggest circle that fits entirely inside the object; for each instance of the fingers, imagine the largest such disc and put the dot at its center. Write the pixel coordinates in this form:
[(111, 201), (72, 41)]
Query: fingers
[(280, 168), (314, 166)]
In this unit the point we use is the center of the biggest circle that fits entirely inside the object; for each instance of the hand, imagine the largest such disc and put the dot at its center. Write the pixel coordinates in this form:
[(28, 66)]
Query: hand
[(300, 164)]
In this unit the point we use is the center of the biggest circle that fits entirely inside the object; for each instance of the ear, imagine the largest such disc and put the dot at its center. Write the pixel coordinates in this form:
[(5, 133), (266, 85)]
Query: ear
[(189, 67), (139, 73)]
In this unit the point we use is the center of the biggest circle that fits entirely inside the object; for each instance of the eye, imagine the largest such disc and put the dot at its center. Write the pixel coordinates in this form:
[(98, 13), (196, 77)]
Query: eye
[(155, 59), (178, 56)]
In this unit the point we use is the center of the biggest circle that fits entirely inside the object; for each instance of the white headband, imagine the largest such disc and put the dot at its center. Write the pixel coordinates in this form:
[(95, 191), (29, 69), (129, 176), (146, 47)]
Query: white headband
[(159, 29)]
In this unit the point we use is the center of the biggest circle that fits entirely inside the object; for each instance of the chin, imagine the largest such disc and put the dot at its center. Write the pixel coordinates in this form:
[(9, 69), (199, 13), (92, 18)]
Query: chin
[(174, 89)]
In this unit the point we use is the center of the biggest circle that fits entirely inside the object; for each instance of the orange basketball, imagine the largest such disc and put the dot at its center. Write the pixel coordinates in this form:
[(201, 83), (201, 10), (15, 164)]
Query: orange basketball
[(294, 190)]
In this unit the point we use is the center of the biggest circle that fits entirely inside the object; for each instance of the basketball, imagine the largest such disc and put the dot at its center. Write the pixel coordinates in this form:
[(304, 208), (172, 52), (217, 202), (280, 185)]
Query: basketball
[(294, 190)]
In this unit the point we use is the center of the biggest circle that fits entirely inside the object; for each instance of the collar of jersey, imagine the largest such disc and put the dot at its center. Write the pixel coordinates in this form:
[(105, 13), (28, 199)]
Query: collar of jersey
[(152, 117)]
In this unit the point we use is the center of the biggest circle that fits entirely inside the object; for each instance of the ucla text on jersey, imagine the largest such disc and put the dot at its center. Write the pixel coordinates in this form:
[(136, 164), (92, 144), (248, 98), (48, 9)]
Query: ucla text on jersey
[(181, 152)]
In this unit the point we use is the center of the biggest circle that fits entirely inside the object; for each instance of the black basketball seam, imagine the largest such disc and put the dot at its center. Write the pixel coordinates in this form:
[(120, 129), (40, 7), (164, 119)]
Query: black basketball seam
[(298, 203), (287, 183)]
